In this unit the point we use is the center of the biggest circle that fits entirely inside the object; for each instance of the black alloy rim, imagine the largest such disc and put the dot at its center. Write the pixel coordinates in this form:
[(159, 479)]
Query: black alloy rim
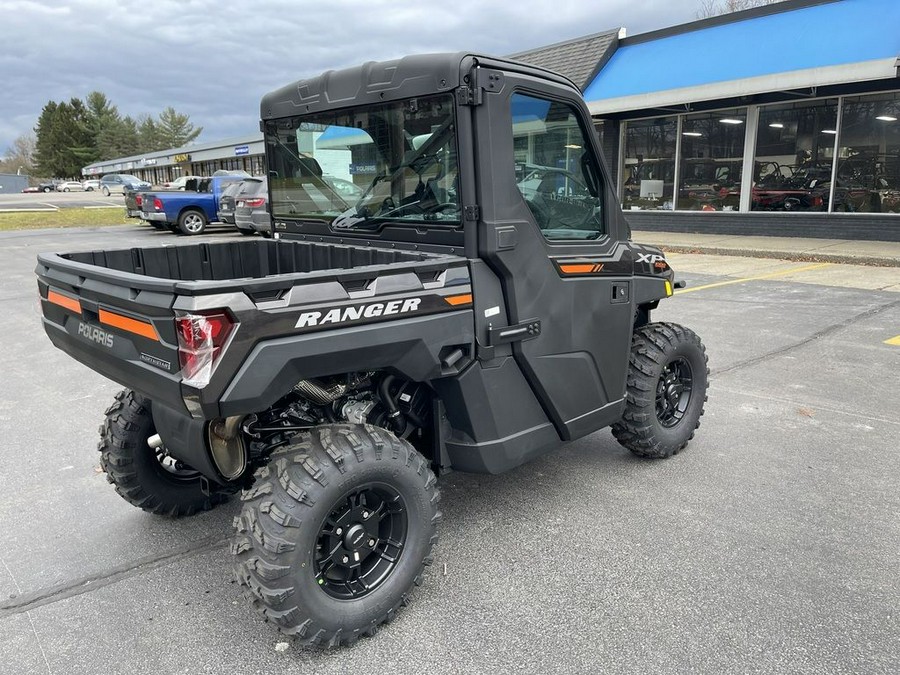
[(673, 392), (360, 542)]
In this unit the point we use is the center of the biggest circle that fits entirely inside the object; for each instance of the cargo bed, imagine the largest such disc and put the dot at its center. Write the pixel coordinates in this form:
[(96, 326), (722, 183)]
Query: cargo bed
[(116, 310)]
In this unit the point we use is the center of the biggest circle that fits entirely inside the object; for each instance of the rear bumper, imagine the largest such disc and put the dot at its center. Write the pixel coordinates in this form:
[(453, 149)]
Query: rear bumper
[(159, 217)]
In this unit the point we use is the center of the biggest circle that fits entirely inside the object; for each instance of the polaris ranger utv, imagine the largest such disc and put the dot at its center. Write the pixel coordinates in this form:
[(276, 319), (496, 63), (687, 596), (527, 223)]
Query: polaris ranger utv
[(451, 285)]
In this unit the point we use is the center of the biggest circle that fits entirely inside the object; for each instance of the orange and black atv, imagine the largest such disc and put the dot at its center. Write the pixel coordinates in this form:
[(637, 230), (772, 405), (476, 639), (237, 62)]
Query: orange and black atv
[(450, 285)]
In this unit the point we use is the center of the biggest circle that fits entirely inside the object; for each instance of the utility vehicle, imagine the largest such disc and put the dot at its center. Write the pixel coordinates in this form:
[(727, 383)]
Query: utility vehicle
[(456, 314)]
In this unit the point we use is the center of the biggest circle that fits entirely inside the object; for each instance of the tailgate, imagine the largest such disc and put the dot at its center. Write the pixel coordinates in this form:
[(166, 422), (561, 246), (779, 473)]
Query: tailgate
[(123, 332)]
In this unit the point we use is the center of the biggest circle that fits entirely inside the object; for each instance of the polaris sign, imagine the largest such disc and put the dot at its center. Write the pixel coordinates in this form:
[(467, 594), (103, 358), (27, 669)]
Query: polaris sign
[(242, 150)]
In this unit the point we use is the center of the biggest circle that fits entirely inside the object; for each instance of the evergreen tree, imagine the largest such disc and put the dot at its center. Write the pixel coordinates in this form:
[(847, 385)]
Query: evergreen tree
[(63, 144), (119, 138), (148, 134), (175, 129)]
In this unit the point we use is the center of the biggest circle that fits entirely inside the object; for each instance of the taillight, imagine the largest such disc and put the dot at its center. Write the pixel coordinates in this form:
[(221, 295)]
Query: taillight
[(200, 341), (255, 203), (157, 203), (138, 199)]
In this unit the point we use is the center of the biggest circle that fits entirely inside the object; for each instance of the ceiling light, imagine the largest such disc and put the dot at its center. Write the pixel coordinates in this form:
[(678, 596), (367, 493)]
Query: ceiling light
[(829, 131), (731, 120), (691, 133), (777, 125), (886, 118), (572, 147)]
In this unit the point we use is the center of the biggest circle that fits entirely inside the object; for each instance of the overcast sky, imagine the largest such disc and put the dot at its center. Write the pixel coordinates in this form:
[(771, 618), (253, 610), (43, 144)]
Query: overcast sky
[(214, 59)]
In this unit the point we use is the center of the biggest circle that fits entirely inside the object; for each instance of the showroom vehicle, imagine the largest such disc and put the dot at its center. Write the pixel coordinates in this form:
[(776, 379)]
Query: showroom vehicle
[(251, 208), (119, 182), (69, 186), (91, 184), (187, 212), (432, 324)]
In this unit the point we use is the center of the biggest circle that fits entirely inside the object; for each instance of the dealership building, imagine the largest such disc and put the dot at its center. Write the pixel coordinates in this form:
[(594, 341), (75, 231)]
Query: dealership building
[(780, 120)]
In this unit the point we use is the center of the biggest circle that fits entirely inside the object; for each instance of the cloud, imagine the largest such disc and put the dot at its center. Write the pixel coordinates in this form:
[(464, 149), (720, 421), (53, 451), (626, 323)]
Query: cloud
[(214, 60)]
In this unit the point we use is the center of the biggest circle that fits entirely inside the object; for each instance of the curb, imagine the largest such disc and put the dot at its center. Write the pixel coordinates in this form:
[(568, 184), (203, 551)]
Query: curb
[(874, 261)]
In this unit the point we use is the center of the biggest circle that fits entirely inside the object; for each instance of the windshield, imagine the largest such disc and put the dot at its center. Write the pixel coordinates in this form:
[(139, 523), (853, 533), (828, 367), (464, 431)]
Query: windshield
[(360, 168)]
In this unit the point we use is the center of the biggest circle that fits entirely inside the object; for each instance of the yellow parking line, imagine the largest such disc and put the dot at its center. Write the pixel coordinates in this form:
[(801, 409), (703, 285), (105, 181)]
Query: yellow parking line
[(782, 273), (895, 341)]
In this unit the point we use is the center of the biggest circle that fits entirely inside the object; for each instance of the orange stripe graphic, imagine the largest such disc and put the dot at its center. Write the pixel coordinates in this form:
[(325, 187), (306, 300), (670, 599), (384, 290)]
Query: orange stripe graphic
[(455, 300), (64, 301), (131, 325)]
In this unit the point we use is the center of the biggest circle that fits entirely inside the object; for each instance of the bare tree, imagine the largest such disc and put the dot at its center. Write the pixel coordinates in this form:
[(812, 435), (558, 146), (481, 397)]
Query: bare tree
[(710, 8)]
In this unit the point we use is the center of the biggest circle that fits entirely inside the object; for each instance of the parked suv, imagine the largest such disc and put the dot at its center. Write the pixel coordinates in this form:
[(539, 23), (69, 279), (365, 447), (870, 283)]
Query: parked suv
[(251, 213), (119, 182)]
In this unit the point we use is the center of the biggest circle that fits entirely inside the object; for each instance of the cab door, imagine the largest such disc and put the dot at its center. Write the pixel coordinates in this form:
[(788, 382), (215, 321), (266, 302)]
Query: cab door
[(550, 231)]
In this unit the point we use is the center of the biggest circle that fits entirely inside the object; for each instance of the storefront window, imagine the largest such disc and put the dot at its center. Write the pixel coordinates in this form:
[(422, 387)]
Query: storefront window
[(712, 155), (649, 172), (794, 152), (868, 174)]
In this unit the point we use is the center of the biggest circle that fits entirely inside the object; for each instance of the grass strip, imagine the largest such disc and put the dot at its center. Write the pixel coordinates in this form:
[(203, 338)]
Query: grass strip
[(74, 217)]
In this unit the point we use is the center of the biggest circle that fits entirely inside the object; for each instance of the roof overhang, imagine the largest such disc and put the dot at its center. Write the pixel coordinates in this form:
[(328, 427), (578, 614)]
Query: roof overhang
[(865, 71)]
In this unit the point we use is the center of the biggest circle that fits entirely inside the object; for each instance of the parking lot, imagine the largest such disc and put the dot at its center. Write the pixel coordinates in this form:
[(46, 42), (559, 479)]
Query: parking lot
[(769, 545), (53, 201)]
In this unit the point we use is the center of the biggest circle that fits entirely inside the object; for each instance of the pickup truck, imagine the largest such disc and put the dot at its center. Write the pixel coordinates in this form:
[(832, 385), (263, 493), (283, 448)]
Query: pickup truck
[(133, 201), (453, 316), (186, 212)]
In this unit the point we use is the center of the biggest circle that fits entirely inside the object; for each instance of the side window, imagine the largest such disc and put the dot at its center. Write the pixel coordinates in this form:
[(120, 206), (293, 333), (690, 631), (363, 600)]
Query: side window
[(555, 171)]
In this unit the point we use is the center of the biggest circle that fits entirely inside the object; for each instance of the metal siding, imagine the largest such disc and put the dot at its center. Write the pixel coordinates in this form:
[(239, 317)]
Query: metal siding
[(839, 33)]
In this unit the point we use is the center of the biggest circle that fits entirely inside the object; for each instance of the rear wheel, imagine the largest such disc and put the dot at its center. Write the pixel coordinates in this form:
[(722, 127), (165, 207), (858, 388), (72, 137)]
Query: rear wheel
[(191, 222), (335, 532), (145, 477), (666, 390)]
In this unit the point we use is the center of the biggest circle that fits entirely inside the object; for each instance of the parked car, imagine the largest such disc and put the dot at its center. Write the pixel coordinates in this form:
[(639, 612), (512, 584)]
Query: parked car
[(91, 184), (180, 183), (186, 212), (251, 207), (69, 186), (118, 182), (226, 203), (47, 186), (133, 202), (32, 188)]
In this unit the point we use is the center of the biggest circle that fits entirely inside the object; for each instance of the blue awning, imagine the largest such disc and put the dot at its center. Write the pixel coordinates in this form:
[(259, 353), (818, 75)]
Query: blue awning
[(831, 43)]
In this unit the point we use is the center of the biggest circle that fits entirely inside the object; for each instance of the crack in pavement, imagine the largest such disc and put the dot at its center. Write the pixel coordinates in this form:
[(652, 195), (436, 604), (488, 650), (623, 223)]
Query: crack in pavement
[(825, 332), (33, 600)]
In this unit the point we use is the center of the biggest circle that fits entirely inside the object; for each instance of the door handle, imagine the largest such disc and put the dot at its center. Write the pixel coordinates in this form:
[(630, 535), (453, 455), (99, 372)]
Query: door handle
[(528, 330)]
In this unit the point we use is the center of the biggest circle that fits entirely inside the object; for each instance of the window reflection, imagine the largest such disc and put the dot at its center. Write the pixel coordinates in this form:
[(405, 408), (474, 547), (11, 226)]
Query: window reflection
[(794, 152), (868, 175), (649, 164), (712, 152)]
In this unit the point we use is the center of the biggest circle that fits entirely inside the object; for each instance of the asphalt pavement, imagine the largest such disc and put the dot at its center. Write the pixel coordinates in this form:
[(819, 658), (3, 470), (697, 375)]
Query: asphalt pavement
[(768, 546), (53, 201)]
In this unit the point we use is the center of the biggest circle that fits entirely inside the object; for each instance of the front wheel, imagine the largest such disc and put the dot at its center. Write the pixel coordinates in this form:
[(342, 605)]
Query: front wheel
[(143, 476), (335, 532), (105, 191), (666, 389), (191, 222)]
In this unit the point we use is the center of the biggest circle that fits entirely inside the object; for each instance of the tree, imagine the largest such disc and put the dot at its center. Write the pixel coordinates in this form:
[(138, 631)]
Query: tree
[(119, 137), (175, 129), (19, 157), (709, 8), (148, 134), (63, 143)]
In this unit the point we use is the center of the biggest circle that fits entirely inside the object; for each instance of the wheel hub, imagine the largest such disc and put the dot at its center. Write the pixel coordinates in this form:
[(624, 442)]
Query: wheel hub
[(360, 542), (673, 392)]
